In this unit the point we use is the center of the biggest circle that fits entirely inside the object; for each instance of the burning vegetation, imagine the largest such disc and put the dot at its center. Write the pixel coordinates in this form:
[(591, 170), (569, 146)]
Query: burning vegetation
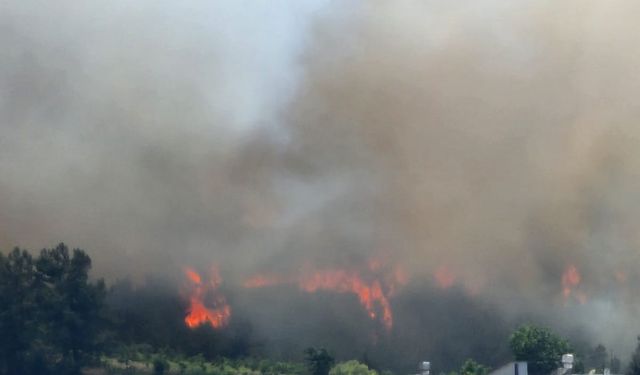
[(146, 321), (491, 148), (571, 279), (207, 305), (373, 287)]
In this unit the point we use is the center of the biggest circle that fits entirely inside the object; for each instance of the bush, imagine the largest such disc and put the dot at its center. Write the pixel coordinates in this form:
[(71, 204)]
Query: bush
[(471, 367), (352, 367), (319, 361)]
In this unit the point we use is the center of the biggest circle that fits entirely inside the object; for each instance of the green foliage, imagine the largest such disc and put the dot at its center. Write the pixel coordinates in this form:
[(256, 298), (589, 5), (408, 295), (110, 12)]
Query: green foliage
[(183, 367), (541, 348), (198, 366), (318, 361), (352, 367), (17, 310), (471, 367), (49, 312)]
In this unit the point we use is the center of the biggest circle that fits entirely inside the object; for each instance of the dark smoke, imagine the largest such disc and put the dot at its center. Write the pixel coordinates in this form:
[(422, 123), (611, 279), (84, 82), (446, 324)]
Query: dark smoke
[(495, 139)]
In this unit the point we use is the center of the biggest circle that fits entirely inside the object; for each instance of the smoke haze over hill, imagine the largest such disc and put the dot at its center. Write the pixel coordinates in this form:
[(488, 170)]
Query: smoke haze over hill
[(482, 147)]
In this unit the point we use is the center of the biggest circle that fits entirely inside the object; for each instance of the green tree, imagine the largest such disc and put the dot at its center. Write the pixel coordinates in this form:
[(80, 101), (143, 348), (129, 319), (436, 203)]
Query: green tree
[(471, 367), (634, 364), (49, 311), (17, 311), (352, 367), (72, 304), (540, 347), (318, 361)]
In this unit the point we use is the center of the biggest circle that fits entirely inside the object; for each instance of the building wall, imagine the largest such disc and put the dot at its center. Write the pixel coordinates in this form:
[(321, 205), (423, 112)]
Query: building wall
[(512, 368)]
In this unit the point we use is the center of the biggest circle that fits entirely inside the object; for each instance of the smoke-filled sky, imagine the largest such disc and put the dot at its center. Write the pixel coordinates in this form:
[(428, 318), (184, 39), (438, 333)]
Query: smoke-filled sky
[(494, 141)]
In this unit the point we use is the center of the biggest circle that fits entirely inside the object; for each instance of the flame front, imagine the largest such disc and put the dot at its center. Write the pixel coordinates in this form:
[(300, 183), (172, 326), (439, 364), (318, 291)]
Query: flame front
[(197, 312), (372, 295), (349, 282), (570, 281)]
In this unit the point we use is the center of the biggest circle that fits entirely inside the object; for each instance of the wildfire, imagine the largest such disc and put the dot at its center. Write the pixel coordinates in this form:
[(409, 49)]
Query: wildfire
[(445, 278), (397, 279), (373, 294), (570, 281), (350, 282), (263, 281), (198, 313)]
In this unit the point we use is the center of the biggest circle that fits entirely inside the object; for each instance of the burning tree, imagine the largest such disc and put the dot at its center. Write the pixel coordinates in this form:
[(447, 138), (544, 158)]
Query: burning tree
[(198, 312), (373, 285)]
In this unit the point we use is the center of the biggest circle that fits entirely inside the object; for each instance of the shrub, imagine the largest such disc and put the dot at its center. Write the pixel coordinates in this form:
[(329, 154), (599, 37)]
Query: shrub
[(352, 367)]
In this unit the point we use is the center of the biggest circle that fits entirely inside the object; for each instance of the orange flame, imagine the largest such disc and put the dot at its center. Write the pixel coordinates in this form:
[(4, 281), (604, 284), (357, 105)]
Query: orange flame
[(197, 312), (373, 295), (349, 282), (193, 276), (570, 281)]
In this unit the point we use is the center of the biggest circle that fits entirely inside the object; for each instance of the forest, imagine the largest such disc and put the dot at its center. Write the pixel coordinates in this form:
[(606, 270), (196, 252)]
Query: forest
[(56, 319)]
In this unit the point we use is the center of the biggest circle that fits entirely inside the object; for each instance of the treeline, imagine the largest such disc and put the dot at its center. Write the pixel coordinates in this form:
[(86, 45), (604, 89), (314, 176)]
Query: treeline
[(55, 320), (50, 313)]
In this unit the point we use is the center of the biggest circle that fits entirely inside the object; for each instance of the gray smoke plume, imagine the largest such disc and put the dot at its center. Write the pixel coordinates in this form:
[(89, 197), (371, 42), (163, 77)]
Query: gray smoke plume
[(493, 140)]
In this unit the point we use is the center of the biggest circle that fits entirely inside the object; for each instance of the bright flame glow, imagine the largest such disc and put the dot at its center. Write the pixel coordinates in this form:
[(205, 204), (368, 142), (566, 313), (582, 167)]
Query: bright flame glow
[(373, 295), (198, 313), (349, 282), (570, 281)]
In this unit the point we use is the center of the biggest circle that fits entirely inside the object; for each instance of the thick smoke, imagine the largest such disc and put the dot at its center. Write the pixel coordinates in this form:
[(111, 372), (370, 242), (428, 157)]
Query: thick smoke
[(496, 140), (493, 140), (144, 133)]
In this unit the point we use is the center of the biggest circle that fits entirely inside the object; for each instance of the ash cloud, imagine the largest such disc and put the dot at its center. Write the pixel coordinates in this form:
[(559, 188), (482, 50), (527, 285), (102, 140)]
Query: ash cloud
[(496, 140)]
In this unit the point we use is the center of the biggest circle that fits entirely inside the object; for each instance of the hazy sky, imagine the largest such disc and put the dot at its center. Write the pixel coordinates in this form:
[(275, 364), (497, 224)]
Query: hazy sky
[(495, 139), (93, 94)]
